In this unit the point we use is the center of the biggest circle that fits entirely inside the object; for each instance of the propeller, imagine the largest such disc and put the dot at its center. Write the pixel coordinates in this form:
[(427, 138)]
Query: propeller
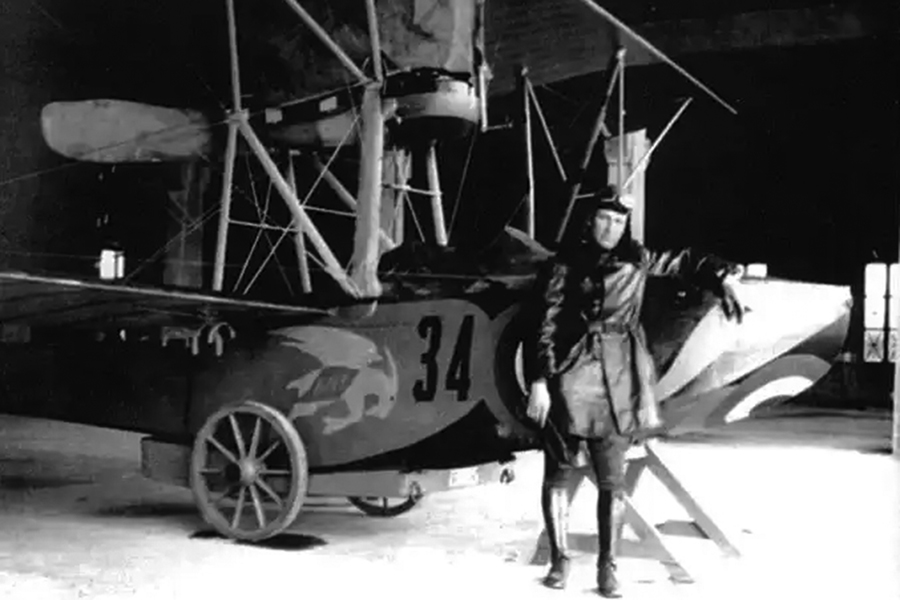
[(120, 131)]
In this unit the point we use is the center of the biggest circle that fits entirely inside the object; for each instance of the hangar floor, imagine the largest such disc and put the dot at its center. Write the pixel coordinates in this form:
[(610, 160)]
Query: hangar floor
[(811, 499)]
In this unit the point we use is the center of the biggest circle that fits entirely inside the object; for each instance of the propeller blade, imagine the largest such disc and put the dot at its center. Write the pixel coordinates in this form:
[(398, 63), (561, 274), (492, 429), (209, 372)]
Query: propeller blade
[(118, 131)]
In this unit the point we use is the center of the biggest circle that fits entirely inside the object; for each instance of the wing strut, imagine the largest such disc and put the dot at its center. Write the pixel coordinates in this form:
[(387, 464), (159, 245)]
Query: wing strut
[(239, 122), (656, 52), (230, 154), (646, 157), (599, 127)]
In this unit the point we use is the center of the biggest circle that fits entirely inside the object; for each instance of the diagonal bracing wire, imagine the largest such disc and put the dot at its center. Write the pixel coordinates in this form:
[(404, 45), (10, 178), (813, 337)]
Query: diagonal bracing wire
[(308, 196), (207, 215), (262, 215), (462, 183)]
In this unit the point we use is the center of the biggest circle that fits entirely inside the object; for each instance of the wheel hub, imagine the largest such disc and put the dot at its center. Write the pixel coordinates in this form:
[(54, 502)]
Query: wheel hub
[(249, 471)]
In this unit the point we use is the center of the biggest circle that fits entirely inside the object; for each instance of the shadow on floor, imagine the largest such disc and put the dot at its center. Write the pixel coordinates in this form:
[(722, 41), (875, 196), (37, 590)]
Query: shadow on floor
[(282, 541)]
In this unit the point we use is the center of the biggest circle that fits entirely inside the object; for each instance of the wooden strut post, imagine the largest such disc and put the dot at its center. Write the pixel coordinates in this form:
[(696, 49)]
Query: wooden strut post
[(300, 239), (481, 66), (375, 39), (529, 153), (225, 207), (647, 532), (434, 189), (620, 168), (366, 241), (230, 153), (364, 263)]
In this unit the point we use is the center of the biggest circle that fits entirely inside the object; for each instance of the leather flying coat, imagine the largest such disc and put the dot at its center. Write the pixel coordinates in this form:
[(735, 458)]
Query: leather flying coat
[(591, 347)]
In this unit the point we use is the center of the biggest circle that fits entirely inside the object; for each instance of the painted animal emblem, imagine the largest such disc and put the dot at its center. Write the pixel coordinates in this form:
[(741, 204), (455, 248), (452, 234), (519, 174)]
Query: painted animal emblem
[(354, 374)]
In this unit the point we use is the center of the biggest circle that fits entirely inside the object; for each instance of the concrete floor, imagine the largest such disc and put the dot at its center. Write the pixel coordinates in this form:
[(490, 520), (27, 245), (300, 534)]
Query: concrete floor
[(813, 502)]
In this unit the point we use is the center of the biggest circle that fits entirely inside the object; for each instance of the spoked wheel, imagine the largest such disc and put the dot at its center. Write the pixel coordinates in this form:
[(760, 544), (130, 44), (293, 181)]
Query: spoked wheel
[(249, 471), (384, 507)]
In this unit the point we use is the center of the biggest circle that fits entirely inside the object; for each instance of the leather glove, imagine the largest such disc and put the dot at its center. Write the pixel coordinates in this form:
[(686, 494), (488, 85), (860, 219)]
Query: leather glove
[(731, 304)]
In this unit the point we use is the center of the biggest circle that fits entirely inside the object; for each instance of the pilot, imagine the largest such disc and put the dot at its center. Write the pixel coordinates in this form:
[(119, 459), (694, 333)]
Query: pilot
[(592, 376)]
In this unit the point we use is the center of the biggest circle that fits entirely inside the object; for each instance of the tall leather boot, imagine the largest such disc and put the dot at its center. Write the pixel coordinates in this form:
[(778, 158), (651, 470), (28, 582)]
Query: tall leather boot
[(609, 513), (555, 506)]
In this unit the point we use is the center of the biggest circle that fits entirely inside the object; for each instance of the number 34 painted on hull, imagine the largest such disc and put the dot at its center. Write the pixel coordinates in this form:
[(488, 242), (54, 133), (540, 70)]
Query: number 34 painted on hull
[(458, 376)]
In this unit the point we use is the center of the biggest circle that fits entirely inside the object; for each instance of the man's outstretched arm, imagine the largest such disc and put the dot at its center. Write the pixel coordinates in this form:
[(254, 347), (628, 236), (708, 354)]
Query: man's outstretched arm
[(706, 271)]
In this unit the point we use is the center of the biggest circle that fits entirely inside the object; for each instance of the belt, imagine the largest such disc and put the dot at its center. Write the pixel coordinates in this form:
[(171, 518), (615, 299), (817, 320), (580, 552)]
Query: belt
[(609, 327)]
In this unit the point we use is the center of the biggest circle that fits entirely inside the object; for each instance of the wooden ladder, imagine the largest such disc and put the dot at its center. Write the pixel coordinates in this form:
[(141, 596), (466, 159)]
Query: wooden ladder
[(638, 460)]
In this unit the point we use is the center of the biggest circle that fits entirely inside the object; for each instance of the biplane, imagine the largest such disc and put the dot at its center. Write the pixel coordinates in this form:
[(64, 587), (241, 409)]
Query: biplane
[(400, 375)]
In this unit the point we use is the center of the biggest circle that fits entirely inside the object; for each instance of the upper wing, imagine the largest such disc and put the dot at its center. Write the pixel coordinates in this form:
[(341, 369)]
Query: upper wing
[(37, 300), (561, 39)]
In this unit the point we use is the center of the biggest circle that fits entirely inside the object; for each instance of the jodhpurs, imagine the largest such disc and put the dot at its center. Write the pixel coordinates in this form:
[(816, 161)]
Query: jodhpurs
[(605, 455)]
